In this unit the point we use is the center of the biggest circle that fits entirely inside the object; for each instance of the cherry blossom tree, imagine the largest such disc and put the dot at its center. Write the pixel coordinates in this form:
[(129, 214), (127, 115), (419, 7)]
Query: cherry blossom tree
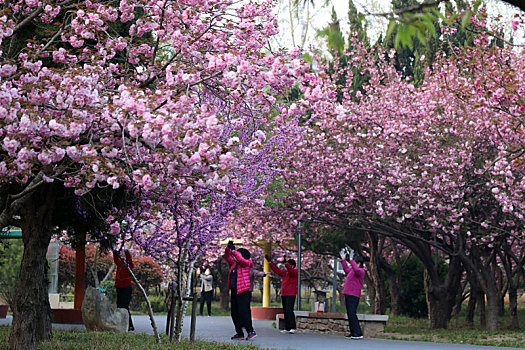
[(174, 102), (432, 167)]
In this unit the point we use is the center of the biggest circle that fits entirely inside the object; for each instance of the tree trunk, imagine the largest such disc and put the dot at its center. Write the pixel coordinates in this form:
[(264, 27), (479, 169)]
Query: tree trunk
[(492, 309), (31, 309), (371, 290), (441, 297), (469, 316), (374, 271), (482, 316), (501, 305), (224, 298), (513, 308), (394, 286), (395, 298), (477, 300), (223, 269), (380, 295), (459, 304), (437, 305), (501, 291), (148, 304)]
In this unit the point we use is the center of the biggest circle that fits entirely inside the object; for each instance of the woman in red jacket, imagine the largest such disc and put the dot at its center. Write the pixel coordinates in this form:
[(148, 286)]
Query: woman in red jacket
[(123, 283), (239, 284), (288, 292)]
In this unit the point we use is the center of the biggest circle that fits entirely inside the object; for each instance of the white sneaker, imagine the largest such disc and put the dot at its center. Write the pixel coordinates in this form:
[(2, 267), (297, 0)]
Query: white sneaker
[(359, 337), (292, 331), (284, 331)]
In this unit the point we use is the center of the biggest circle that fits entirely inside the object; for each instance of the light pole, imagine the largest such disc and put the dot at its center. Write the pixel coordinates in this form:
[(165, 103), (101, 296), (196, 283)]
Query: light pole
[(334, 286), (299, 269)]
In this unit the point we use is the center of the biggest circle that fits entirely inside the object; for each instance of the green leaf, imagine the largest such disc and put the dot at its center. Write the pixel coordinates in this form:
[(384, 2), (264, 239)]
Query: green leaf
[(391, 27), (397, 40), (439, 15), (465, 21), (405, 34), (476, 5), (421, 37)]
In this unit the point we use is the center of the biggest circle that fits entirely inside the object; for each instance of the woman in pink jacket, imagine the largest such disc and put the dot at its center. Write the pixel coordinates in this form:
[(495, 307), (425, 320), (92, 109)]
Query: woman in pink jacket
[(239, 284), (352, 292)]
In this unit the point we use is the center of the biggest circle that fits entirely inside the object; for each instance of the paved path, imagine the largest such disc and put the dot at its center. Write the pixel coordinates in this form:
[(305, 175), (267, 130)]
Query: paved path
[(220, 328)]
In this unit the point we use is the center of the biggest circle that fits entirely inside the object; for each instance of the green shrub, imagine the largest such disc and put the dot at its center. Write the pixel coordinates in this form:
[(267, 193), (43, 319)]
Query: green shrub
[(158, 304), (109, 286), (413, 289), (414, 303), (10, 257)]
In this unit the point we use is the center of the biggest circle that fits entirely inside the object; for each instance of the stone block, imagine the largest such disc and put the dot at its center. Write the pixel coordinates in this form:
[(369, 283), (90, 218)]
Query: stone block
[(99, 315), (322, 327)]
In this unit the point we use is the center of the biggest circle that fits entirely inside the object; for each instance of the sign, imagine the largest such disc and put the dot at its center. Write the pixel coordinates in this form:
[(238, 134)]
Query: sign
[(11, 233)]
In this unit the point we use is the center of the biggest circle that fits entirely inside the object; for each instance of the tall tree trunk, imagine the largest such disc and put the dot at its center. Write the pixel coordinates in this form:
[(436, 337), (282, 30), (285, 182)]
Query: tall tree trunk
[(371, 289), (482, 315), (500, 300), (459, 301), (513, 307), (436, 305), (469, 316), (374, 271), (476, 300), (224, 298), (492, 308), (394, 285), (394, 281), (441, 297), (31, 309), (395, 297)]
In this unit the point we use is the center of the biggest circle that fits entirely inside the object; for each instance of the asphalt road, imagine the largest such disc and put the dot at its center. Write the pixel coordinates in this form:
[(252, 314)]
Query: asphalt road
[(220, 328)]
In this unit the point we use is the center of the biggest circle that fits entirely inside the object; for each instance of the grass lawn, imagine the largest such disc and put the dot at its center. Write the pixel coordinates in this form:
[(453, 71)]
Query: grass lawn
[(459, 331), (397, 328), (74, 340)]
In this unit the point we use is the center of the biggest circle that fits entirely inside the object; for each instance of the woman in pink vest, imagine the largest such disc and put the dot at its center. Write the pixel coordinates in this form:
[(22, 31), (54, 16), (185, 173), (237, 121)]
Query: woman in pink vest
[(239, 284), (352, 292)]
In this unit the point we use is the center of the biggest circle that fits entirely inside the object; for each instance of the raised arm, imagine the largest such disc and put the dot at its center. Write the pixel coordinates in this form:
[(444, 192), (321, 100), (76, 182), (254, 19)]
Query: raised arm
[(206, 277), (228, 257), (346, 268), (359, 271), (277, 270), (242, 261), (129, 260)]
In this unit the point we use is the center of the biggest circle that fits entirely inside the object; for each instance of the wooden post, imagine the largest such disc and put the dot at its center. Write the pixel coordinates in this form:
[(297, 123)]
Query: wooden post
[(173, 308), (193, 317), (80, 271)]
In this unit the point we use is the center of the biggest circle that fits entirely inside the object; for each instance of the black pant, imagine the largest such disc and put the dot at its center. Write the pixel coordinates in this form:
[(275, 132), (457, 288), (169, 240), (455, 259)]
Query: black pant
[(206, 297), (351, 309), (123, 300), (241, 312), (289, 317)]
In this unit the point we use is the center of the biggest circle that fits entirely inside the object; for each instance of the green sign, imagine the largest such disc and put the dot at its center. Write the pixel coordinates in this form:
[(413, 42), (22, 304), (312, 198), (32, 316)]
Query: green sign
[(11, 233)]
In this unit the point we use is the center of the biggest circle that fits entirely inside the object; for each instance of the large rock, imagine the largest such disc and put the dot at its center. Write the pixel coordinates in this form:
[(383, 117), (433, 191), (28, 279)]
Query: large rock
[(99, 315)]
